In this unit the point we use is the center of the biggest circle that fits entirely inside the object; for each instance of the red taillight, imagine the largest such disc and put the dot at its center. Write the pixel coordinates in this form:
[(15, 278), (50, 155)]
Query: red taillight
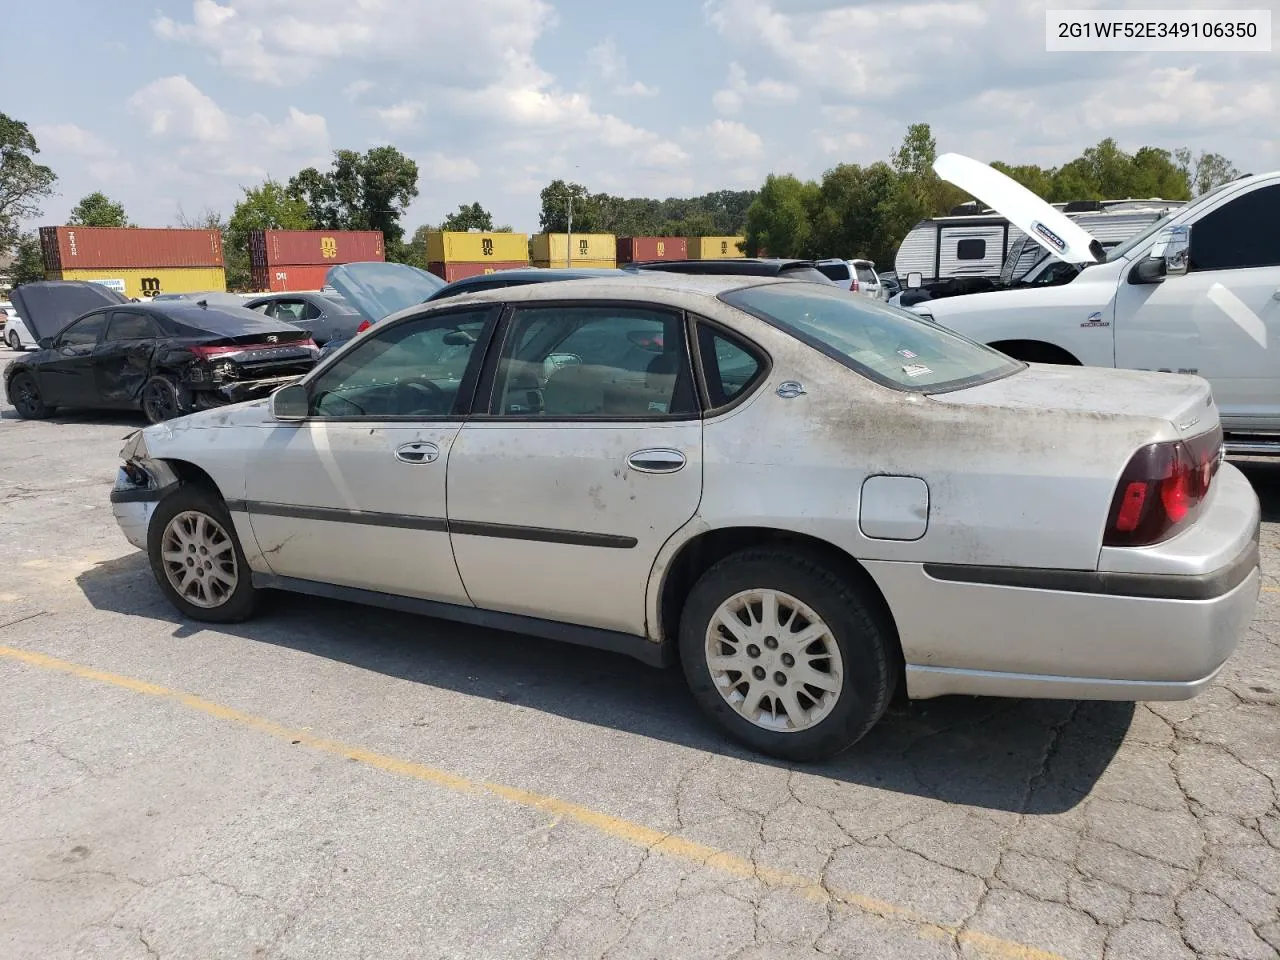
[(1162, 488), (364, 325), (204, 353)]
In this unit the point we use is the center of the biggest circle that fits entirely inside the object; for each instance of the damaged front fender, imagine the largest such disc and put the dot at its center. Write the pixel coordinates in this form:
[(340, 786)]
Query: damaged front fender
[(141, 483)]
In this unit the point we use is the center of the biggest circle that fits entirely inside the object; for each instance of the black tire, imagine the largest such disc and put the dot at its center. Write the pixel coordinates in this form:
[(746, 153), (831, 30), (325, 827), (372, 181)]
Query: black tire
[(159, 400), (13, 341), (864, 640), (239, 604), (27, 399)]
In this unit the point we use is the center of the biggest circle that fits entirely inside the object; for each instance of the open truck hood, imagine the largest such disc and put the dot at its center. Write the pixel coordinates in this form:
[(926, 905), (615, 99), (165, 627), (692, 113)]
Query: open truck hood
[(48, 306), (376, 289), (1050, 228)]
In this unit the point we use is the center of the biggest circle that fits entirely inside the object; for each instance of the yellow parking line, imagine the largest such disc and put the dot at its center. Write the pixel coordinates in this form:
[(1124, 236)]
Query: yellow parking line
[(635, 834), (1271, 589)]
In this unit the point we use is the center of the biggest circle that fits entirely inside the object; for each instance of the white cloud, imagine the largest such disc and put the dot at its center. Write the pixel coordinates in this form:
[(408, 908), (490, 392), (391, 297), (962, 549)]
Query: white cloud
[(174, 105), (439, 167), (401, 116), (729, 139), (610, 64), (738, 90), (100, 159), (357, 88), (286, 42)]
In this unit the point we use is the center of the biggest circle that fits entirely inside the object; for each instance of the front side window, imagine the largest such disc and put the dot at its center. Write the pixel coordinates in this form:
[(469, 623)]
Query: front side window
[(1241, 234), (412, 369), (607, 362), (131, 326), (890, 346), (83, 333)]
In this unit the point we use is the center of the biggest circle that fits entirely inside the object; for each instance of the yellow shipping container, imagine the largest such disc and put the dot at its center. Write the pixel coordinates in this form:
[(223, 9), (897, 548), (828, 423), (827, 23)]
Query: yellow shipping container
[(459, 247), (715, 248), (148, 281), (583, 264), (554, 247)]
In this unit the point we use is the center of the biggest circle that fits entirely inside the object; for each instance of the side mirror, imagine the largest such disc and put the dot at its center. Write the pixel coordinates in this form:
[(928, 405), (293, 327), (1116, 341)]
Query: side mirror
[(1170, 256), (290, 403), (45, 343), (915, 281)]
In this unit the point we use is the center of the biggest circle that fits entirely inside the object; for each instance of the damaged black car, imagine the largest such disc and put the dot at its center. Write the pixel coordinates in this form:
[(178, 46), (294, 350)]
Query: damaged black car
[(101, 351)]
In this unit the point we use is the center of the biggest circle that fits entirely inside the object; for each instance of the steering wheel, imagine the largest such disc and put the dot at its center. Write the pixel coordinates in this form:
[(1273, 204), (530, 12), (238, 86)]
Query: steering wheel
[(414, 393)]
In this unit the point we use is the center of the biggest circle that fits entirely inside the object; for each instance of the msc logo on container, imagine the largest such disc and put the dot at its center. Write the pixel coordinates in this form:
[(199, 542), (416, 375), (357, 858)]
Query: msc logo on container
[(328, 247), (486, 246), (150, 286), (724, 246), (662, 248), (582, 247)]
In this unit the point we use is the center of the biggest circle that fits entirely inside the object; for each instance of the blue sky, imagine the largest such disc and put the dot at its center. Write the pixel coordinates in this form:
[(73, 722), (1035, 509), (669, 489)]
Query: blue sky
[(177, 104)]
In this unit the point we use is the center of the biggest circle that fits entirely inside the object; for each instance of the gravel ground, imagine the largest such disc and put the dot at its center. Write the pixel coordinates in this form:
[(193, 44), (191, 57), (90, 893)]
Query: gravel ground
[(334, 781)]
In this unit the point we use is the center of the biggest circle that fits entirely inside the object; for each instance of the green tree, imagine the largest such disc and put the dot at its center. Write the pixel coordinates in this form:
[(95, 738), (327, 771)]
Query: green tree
[(23, 182), (554, 214), (265, 207), (361, 191), (98, 210), (859, 213), (28, 260), (1205, 172), (469, 217), (1036, 179), (780, 221)]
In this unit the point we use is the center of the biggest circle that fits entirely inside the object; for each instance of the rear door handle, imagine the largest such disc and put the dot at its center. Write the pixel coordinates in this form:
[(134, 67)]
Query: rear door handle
[(417, 452), (657, 460)]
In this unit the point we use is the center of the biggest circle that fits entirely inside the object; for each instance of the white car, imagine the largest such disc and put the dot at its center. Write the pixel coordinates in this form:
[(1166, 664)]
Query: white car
[(1197, 292), (14, 331), (858, 276), (804, 497)]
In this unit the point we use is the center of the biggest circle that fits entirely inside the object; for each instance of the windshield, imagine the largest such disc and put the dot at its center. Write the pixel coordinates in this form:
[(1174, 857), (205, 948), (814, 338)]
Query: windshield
[(890, 346)]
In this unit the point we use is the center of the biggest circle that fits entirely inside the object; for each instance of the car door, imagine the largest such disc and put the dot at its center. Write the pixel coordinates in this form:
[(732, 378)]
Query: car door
[(67, 379), (122, 360), (1221, 319), (586, 458), (355, 494)]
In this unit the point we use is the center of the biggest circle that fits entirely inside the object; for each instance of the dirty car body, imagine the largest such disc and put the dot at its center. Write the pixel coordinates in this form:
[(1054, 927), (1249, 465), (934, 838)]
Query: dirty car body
[(205, 355), (806, 498)]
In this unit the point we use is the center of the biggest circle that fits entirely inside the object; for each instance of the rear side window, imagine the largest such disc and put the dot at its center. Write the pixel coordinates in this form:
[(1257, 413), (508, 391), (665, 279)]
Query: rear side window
[(835, 271), (729, 367), (1241, 234), (131, 326), (890, 346)]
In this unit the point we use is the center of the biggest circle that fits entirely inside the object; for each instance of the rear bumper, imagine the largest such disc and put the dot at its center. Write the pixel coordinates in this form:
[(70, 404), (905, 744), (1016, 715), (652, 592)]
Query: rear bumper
[(238, 390), (1153, 624)]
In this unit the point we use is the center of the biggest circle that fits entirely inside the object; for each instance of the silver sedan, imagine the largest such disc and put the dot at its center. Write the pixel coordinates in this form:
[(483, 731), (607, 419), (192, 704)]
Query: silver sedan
[(805, 498)]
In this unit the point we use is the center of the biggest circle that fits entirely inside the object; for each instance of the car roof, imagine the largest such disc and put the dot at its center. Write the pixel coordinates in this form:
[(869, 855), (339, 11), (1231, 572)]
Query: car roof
[(637, 286)]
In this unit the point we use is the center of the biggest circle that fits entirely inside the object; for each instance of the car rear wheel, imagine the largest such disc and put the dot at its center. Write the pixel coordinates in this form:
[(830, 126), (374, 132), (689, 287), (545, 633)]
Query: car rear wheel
[(785, 655), (27, 399), (160, 400), (196, 557)]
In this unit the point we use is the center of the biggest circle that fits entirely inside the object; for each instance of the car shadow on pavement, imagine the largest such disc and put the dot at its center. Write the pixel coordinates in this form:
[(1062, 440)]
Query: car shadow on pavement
[(1265, 477), (1012, 755), (125, 419)]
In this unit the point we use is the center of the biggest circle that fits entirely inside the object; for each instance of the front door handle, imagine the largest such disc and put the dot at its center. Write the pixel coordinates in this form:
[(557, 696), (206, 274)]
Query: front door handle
[(658, 460), (417, 452)]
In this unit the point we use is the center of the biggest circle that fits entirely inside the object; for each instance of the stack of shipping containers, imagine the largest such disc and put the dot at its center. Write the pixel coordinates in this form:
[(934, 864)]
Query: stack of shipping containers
[(452, 255), (287, 260), (590, 250), (715, 248), (134, 261), (641, 249)]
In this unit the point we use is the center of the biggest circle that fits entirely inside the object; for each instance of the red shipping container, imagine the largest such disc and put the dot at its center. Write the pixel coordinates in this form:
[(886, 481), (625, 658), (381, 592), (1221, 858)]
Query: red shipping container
[(291, 277), (269, 248), (91, 248), (639, 249), (449, 272)]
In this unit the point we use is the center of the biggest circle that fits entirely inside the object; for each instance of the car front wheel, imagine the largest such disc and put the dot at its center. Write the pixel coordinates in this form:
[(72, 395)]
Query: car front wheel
[(27, 399), (787, 656), (196, 557)]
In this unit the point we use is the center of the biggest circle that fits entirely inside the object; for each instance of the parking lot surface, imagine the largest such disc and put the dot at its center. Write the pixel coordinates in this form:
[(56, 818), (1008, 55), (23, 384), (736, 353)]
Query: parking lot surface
[(334, 781)]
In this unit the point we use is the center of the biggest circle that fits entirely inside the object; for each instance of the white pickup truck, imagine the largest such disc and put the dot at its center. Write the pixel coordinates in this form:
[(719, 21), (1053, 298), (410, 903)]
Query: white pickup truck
[(1197, 292)]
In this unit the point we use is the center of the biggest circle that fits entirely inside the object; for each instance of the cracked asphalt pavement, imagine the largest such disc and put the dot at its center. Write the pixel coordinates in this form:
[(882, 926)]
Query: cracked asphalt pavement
[(334, 781)]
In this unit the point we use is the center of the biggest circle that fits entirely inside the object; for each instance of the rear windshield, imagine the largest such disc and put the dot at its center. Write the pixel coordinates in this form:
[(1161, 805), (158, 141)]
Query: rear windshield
[(888, 345), (866, 274)]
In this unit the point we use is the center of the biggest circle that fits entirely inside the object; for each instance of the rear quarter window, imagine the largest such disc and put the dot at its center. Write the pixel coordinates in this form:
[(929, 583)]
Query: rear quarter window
[(835, 271)]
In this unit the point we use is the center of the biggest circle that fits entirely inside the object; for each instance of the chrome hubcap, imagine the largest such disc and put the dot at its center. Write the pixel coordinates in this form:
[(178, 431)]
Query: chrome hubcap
[(774, 660), (199, 559)]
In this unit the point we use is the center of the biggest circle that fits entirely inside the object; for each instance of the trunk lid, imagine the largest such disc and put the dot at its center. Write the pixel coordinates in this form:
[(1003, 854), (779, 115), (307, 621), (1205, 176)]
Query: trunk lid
[(1184, 401), (1050, 228), (377, 290), (48, 306)]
